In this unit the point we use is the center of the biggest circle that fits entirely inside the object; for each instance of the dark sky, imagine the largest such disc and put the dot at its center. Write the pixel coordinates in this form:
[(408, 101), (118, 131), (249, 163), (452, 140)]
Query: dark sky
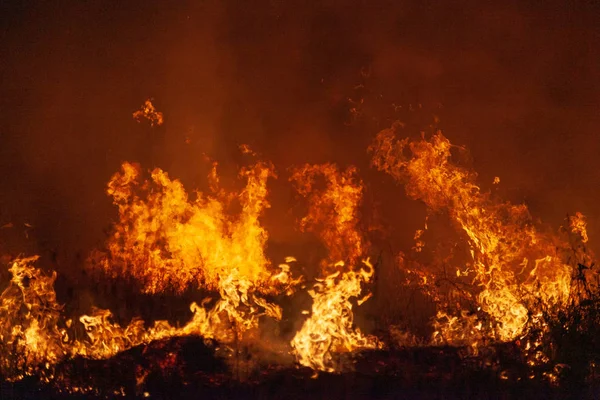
[(518, 83)]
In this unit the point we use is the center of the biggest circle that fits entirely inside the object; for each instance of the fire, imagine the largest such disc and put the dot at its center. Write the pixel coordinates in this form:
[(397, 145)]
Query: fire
[(36, 335), (514, 264), (148, 112), (578, 226), (30, 335), (333, 213), (330, 327), (167, 242), (170, 241)]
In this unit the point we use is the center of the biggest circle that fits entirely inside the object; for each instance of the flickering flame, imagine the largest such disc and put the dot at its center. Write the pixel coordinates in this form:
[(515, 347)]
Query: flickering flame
[(514, 264), (170, 241), (333, 215), (30, 337), (578, 226), (149, 113), (333, 211), (330, 328), (167, 242)]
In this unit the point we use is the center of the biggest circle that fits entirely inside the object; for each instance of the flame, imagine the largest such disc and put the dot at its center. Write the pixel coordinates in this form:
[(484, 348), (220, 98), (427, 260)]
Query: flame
[(169, 242), (333, 214), (148, 112), (36, 336), (578, 226), (30, 336), (466, 330), (166, 242), (330, 327), (514, 264)]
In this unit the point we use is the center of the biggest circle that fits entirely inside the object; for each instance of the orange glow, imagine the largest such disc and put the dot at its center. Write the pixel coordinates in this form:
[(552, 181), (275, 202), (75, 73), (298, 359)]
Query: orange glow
[(333, 215), (333, 211), (148, 112), (514, 264), (170, 241), (167, 241)]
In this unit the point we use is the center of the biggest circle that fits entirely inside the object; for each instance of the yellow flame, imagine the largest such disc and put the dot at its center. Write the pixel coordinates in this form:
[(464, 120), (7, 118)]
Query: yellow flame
[(29, 335), (169, 242), (330, 327), (333, 214), (501, 235), (578, 226)]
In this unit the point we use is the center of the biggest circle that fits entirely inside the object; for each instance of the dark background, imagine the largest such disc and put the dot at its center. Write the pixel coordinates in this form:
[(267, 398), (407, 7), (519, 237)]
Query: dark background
[(515, 82)]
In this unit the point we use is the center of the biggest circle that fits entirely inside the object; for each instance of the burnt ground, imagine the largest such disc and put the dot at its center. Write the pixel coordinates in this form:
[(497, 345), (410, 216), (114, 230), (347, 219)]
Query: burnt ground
[(187, 368)]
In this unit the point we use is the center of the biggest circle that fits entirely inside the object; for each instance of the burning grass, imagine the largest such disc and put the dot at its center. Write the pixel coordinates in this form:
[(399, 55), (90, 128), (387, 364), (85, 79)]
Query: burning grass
[(517, 308)]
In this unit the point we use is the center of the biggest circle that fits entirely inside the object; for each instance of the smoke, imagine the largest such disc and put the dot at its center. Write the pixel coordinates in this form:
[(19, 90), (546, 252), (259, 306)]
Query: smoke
[(300, 83)]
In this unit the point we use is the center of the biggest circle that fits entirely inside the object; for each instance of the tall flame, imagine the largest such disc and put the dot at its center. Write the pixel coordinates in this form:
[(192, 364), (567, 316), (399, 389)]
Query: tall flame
[(333, 211), (514, 264), (169, 241), (333, 214)]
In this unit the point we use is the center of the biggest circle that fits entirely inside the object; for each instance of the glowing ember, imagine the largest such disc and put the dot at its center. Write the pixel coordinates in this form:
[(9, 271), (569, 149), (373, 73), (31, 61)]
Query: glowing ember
[(148, 112)]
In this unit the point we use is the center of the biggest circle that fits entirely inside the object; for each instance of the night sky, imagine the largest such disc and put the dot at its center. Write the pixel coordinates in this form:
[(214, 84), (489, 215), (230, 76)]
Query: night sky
[(517, 83)]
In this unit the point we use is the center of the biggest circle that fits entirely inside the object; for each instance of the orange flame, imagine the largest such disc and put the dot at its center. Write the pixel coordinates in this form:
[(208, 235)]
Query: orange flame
[(148, 112), (30, 336), (513, 263), (167, 241), (333, 213), (330, 327)]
